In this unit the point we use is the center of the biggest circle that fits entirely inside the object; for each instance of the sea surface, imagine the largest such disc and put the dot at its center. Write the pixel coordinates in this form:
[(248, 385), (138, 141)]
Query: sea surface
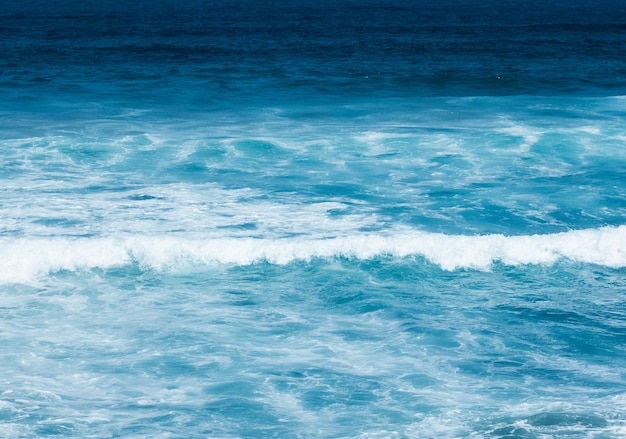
[(313, 219)]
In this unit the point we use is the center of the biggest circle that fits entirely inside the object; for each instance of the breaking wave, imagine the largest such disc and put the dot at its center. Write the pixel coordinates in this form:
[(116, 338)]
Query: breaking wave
[(28, 259)]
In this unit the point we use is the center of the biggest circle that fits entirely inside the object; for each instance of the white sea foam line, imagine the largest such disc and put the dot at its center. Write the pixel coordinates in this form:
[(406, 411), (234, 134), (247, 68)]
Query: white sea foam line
[(26, 258)]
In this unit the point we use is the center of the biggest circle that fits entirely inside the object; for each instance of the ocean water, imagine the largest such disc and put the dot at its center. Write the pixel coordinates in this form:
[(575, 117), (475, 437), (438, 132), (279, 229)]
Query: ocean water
[(312, 219)]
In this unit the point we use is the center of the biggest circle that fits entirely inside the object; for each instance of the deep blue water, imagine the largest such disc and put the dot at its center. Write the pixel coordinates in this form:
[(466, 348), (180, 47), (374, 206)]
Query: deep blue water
[(365, 219)]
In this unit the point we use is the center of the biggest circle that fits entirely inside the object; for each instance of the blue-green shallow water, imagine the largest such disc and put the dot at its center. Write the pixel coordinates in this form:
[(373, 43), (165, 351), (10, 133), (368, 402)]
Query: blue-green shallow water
[(339, 348), (299, 220)]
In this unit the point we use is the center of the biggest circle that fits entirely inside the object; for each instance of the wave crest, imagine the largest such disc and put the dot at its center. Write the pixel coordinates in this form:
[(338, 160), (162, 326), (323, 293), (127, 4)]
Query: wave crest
[(28, 259)]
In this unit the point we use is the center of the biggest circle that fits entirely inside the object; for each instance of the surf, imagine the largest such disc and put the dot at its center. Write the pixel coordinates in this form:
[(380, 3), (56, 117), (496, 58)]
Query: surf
[(28, 259)]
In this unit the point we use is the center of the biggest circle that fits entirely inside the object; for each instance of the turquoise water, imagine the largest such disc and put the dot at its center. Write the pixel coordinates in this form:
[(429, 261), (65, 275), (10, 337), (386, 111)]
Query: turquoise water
[(310, 220)]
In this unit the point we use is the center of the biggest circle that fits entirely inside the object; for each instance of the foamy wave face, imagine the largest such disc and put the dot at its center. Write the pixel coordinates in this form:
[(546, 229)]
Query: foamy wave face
[(26, 260)]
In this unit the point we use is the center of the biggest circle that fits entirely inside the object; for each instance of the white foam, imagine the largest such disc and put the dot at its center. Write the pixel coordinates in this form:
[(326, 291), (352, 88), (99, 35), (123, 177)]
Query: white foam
[(28, 259), (529, 135)]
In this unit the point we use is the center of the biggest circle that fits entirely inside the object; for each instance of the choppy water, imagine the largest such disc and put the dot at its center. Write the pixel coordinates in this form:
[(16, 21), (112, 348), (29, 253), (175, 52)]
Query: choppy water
[(357, 219)]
